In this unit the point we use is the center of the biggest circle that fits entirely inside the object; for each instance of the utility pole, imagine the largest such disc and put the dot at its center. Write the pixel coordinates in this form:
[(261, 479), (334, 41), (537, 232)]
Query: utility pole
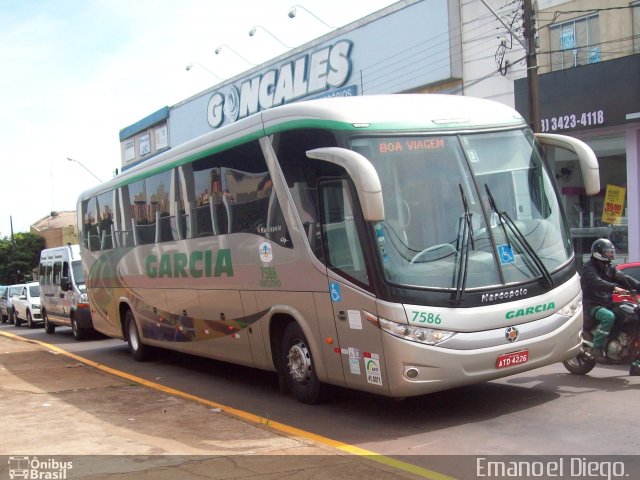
[(529, 45), (532, 65)]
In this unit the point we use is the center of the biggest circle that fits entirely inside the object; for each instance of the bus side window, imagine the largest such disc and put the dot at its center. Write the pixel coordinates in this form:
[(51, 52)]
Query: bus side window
[(157, 191), (142, 216), (341, 239), (105, 219), (41, 270), (90, 225), (57, 272), (250, 200), (200, 184), (48, 275), (302, 174)]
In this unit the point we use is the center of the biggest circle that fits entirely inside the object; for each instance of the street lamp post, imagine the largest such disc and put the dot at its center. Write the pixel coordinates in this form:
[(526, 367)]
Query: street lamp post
[(192, 64), (254, 29), (81, 164), (293, 12), (219, 49)]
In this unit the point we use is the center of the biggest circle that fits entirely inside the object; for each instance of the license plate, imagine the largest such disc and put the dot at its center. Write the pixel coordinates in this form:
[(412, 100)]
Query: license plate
[(513, 358)]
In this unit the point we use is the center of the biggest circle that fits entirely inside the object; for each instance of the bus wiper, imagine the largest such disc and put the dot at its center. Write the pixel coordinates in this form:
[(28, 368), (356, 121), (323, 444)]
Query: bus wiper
[(526, 246), (463, 260)]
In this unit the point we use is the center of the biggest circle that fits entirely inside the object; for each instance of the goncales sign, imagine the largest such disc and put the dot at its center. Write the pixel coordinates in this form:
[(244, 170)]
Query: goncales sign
[(328, 67)]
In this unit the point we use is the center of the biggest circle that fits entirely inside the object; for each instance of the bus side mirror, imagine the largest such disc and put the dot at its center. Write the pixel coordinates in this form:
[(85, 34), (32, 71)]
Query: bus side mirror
[(587, 159), (65, 284), (363, 175)]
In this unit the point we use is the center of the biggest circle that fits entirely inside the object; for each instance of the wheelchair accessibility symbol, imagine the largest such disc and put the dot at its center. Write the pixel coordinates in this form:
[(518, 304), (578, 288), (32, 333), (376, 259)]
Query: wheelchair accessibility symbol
[(334, 290), (506, 254)]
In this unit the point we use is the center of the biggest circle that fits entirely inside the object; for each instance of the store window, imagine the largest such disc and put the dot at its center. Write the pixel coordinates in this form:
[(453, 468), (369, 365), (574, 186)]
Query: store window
[(574, 43), (603, 215)]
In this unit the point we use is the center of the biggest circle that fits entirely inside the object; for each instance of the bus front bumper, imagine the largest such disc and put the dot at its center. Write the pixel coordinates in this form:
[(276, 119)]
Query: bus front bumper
[(415, 369)]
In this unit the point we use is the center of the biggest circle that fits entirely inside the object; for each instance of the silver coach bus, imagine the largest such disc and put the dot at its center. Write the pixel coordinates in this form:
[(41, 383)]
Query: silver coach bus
[(397, 244)]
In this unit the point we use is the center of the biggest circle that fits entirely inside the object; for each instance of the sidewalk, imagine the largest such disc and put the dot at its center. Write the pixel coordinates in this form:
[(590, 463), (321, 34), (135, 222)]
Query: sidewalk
[(54, 406)]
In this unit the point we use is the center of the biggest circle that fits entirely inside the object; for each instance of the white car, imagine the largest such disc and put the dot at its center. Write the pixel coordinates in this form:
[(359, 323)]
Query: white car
[(26, 305)]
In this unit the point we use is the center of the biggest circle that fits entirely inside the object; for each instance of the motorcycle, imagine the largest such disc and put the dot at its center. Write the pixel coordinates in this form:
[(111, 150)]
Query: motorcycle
[(623, 345)]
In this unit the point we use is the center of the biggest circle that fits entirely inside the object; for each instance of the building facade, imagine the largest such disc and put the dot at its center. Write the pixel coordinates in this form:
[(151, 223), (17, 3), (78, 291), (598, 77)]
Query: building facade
[(589, 65), (57, 229), (589, 82)]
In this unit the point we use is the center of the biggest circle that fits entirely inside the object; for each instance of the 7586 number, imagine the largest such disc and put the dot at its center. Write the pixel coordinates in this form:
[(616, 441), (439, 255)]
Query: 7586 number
[(427, 317)]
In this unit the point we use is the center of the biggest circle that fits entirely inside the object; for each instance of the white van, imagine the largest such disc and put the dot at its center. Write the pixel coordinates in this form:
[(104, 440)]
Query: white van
[(63, 292)]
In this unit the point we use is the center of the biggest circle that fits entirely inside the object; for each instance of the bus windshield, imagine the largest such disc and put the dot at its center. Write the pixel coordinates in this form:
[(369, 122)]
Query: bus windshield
[(480, 206)]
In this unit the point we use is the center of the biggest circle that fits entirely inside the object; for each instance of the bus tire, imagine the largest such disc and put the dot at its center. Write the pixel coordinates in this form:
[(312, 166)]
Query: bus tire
[(78, 333), (49, 327), (298, 366), (139, 351)]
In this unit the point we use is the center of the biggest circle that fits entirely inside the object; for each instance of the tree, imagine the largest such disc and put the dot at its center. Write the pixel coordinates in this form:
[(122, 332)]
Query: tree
[(19, 258)]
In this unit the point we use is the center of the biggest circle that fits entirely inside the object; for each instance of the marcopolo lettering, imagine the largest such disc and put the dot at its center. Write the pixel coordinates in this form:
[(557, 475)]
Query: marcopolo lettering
[(328, 67), (504, 295), (523, 312), (197, 264)]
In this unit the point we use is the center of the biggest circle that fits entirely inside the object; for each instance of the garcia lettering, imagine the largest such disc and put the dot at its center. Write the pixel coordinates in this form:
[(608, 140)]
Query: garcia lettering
[(523, 312), (197, 264)]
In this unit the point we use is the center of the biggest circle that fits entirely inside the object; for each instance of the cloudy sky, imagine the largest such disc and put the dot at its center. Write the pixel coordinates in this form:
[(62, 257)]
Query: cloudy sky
[(74, 72)]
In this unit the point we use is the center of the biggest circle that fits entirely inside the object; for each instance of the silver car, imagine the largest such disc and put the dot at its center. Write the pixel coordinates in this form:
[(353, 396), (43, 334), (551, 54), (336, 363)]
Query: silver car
[(12, 290), (3, 303)]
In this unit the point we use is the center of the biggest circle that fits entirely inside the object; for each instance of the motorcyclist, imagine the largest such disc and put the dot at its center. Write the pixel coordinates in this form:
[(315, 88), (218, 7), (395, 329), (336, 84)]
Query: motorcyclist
[(600, 280)]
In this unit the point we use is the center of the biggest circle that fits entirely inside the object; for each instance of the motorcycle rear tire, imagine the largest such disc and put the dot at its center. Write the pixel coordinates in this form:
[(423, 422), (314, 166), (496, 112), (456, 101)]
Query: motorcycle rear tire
[(581, 364)]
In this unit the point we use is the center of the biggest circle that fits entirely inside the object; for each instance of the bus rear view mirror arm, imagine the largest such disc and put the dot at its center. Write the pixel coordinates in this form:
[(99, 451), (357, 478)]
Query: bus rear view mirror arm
[(363, 174), (587, 159)]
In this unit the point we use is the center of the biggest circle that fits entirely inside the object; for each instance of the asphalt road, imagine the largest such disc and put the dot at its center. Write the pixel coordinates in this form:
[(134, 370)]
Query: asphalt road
[(547, 411)]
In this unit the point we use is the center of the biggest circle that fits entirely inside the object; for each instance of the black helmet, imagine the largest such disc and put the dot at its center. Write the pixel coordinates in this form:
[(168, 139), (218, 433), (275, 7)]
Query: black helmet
[(603, 250)]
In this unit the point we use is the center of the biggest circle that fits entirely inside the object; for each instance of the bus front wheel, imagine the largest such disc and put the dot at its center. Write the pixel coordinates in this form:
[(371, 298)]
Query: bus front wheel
[(298, 367), (139, 351)]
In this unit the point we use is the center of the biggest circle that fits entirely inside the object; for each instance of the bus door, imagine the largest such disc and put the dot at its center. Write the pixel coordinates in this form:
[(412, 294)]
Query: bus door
[(359, 341)]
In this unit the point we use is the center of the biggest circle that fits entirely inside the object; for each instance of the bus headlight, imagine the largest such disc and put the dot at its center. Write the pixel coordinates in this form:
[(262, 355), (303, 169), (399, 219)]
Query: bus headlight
[(428, 336), (570, 309)]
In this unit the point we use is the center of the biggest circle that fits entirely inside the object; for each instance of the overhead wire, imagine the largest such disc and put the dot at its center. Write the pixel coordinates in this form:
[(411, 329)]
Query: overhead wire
[(437, 51)]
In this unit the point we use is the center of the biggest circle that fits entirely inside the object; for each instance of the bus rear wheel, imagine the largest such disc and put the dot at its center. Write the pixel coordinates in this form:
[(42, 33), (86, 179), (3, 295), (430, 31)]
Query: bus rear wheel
[(139, 351), (298, 366)]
